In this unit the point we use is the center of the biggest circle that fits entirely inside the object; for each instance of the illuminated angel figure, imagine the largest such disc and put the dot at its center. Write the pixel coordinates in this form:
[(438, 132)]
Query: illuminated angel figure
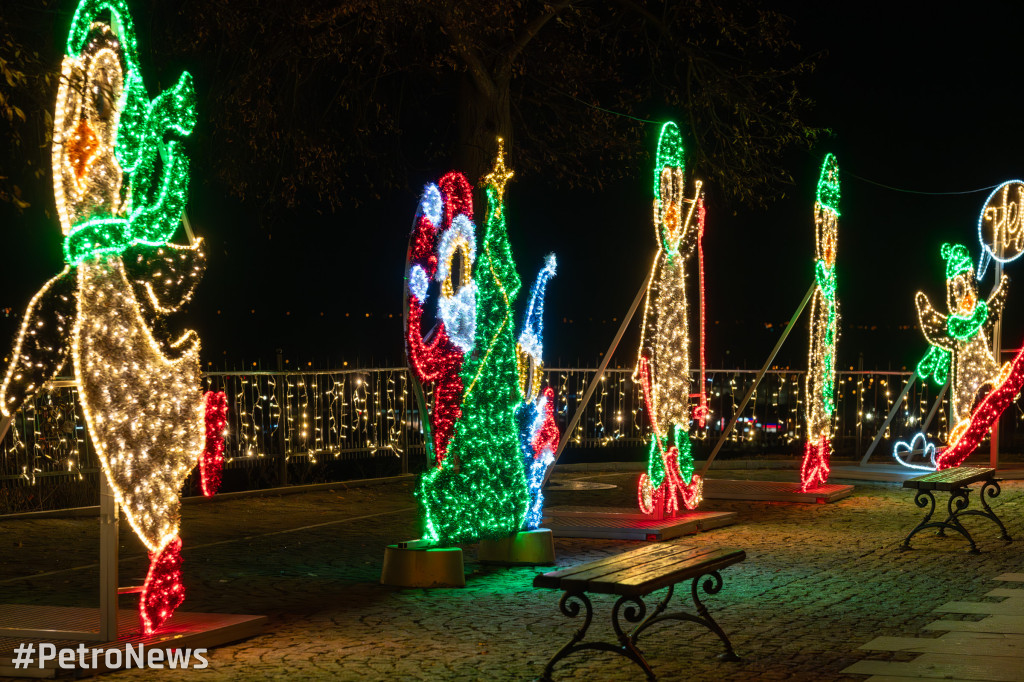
[(121, 184), (961, 340), (538, 431), (442, 248), (663, 368), (821, 367)]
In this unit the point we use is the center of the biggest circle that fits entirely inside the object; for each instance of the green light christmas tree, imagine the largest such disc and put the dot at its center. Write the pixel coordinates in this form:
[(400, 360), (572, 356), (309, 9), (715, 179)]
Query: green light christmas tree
[(480, 490)]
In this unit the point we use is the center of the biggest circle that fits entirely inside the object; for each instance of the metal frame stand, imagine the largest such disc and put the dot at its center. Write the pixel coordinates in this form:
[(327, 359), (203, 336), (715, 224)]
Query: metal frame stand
[(892, 414), (757, 380), (109, 520), (957, 508), (592, 386), (107, 631), (636, 612)]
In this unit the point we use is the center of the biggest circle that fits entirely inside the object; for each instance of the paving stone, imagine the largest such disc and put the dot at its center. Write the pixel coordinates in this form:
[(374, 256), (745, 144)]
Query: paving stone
[(819, 581)]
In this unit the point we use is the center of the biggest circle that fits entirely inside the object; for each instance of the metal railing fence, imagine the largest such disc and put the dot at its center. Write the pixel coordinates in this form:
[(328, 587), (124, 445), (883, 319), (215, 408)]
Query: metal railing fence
[(300, 427)]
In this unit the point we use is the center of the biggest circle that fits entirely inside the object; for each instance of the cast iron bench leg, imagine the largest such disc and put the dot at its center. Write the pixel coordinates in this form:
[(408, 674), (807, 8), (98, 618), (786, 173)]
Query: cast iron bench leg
[(922, 499), (991, 489), (570, 607), (958, 501), (712, 585)]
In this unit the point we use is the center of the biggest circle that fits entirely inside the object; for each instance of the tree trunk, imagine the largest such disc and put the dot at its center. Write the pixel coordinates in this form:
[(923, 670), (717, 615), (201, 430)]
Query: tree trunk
[(481, 119)]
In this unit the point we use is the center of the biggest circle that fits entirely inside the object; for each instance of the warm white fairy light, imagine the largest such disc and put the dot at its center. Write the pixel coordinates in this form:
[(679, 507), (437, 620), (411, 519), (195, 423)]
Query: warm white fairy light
[(664, 363), (120, 185), (821, 360), (86, 173), (144, 410), (961, 340), (45, 326)]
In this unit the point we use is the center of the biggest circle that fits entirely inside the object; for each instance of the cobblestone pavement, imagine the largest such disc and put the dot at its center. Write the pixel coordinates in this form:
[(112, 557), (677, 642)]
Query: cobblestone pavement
[(819, 581)]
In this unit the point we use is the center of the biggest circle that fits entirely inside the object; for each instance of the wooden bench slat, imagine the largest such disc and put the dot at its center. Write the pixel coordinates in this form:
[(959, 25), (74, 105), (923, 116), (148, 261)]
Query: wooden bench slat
[(665, 581), (694, 566), (553, 579), (600, 568), (585, 579), (949, 479), (638, 570)]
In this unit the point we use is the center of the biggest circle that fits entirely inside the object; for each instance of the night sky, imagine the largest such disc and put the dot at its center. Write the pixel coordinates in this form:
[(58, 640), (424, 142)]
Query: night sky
[(916, 99)]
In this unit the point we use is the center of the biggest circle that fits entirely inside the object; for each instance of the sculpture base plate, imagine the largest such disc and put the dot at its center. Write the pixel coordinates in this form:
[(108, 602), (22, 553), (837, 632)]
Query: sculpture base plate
[(423, 567), (525, 548)]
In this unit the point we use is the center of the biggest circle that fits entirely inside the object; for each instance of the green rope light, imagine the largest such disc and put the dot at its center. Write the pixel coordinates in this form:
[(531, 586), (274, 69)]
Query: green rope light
[(157, 197), (935, 363), (670, 154), (828, 184), (962, 327), (480, 490)]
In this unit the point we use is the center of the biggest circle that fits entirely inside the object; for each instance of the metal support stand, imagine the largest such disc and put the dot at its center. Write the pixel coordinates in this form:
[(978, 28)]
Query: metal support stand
[(567, 433), (109, 519), (636, 612), (935, 407), (757, 380), (997, 347), (957, 508), (109, 514), (888, 419)]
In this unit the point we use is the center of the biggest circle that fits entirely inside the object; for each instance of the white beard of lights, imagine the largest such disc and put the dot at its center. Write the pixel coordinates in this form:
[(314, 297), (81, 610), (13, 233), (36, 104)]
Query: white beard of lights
[(670, 357), (458, 312)]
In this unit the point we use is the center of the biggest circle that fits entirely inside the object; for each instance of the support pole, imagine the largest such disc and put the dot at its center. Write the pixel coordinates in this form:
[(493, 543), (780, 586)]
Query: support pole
[(935, 407), (108, 561), (997, 348), (567, 434), (757, 379), (889, 418)]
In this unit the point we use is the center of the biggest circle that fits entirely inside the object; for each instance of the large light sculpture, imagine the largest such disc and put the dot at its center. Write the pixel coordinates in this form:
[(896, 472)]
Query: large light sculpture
[(479, 489), (121, 184), (663, 367), (960, 349), (821, 361)]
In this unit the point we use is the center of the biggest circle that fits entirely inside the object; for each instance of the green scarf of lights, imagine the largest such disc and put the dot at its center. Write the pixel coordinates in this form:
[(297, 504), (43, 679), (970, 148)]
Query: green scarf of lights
[(157, 198), (964, 328), (480, 490)]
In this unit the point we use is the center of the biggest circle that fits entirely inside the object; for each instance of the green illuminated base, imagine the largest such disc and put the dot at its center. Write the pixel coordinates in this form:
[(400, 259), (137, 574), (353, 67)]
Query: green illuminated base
[(436, 567), (526, 548)]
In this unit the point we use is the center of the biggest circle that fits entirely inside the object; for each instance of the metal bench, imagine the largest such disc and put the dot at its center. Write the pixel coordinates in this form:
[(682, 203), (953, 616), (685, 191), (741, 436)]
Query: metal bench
[(957, 481), (633, 575)]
